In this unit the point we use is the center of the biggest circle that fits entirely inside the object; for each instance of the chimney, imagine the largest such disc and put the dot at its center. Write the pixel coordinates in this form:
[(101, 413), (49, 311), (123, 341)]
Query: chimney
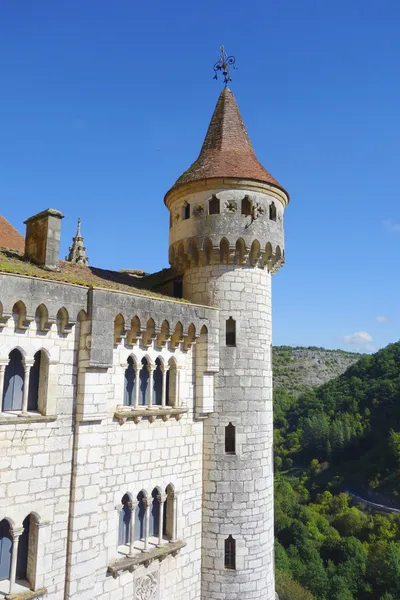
[(42, 240)]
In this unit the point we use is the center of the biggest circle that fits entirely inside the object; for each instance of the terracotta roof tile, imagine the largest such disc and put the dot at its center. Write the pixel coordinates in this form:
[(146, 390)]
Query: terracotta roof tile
[(227, 150), (10, 238)]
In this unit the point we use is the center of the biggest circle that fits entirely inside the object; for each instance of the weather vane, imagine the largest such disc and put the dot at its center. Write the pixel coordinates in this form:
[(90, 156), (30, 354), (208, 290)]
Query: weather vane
[(224, 63)]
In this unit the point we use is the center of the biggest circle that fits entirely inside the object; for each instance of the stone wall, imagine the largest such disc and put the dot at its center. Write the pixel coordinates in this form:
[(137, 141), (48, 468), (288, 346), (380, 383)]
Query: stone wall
[(71, 465)]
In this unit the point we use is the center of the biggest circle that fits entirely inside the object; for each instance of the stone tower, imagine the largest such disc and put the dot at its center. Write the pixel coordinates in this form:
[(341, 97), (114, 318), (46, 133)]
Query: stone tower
[(226, 240)]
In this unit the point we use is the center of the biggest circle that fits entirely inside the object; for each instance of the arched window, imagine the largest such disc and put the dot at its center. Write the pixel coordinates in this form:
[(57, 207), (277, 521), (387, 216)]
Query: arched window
[(23, 546), (140, 517), (169, 522), (230, 553), (144, 383), (13, 382), (5, 549), (246, 206), (154, 529), (240, 251), (129, 383), (213, 206), (34, 382), (186, 212), (272, 212), (230, 439), (125, 516), (157, 383), (230, 332), (224, 251)]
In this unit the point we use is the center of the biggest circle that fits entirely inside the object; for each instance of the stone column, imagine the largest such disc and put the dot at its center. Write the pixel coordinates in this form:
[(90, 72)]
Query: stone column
[(2, 372), (164, 387), (147, 504), (178, 386), (14, 553), (161, 499), (132, 506), (137, 386), (174, 498), (150, 369), (27, 369)]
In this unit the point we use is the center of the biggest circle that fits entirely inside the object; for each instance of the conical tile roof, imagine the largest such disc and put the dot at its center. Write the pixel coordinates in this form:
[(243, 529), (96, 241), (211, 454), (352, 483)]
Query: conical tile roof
[(227, 150), (10, 238)]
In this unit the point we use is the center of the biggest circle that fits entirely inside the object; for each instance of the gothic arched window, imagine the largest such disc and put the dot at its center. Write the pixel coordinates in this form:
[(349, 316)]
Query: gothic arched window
[(154, 529), (6, 544), (129, 383), (144, 383), (140, 517), (13, 382), (157, 384), (125, 516)]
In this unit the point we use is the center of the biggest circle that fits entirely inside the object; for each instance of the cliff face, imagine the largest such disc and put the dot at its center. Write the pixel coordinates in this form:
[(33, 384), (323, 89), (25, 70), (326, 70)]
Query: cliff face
[(297, 369)]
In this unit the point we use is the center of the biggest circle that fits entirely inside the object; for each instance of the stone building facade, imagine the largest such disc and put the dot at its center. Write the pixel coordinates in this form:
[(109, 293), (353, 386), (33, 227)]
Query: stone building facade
[(136, 410)]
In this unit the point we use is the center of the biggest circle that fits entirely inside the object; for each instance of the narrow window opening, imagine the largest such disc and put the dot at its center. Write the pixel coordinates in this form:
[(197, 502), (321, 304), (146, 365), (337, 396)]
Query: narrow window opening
[(246, 206), (144, 384), (230, 553), (230, 332), (130, 383), (5, 549), (157, 383), (140, 512), (170, 220), (178, 288), (213, 206), (230, 439), (34, 379), (13, 382), (124, 521), (186, 212), (154, 528), (272, 212)]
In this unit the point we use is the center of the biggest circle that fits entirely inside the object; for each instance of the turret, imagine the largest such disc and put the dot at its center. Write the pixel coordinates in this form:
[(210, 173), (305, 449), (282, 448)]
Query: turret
[(226, 208), (226, 240)]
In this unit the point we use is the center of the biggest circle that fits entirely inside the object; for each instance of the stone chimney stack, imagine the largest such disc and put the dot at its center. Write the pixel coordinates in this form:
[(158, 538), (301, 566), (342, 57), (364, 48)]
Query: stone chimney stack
[(42, 240)]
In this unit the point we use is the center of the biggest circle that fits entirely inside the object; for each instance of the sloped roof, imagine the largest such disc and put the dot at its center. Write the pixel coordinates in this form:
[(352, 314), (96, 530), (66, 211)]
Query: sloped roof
[(226, 150), (16, 264), (10, 238)]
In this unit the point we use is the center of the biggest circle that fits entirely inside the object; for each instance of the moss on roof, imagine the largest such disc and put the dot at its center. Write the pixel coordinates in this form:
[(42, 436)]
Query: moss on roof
[(16, 264)]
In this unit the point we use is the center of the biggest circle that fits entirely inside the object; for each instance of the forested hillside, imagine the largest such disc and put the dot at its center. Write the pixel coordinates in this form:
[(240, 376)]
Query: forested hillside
[(343, 435)]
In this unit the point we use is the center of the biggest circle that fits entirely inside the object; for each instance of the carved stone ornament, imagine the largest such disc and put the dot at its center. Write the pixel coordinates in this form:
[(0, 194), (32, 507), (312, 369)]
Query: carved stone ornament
[(198, 210), (231, 206), (146, 587)]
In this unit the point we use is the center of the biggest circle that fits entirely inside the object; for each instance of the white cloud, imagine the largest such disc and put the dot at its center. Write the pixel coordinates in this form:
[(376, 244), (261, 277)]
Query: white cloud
[(360, 337), (390, 226), (382, 319)]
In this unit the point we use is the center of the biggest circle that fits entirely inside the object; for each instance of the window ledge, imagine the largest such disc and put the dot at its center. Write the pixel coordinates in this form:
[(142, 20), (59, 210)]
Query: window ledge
[(16, 419), (137, 414), (145, 558), (27, 595)]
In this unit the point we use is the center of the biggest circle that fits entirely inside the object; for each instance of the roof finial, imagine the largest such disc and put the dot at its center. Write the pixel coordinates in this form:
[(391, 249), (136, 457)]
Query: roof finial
[(224, 63), (77, 252)]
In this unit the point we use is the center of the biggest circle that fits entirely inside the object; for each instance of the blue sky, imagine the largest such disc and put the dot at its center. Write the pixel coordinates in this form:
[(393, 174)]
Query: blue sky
[(104, 104)]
